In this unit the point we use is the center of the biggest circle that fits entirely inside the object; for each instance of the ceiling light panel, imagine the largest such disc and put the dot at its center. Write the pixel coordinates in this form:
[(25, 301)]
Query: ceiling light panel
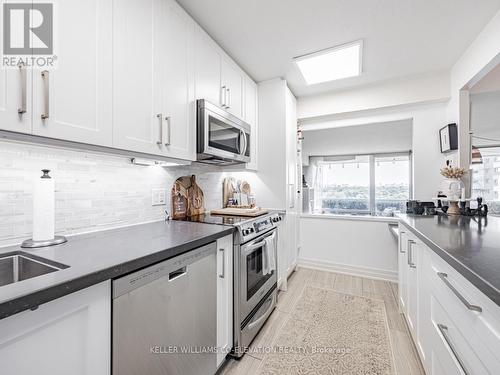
[(332, 64)]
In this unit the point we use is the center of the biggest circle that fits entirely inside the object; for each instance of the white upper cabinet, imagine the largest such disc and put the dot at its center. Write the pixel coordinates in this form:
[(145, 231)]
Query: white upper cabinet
[(251, 117), (127, 77), (153, 96), (218, 79), (208, 68), (137, 54), (73, 101), (178, 104), (232, 87)]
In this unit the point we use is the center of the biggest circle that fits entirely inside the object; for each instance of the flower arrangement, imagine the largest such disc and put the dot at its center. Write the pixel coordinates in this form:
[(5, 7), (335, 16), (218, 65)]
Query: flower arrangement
[(453, 172)]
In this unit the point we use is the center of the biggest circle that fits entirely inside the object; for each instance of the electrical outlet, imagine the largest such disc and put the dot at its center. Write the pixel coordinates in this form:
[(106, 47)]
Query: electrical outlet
[(158, 197)]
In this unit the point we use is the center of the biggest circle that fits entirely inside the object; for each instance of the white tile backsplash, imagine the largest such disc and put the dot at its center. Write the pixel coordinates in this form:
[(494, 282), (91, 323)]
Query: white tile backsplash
[(93, 191)]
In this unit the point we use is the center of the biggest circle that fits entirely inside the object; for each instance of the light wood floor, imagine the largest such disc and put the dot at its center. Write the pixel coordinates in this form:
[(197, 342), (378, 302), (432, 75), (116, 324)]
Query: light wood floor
[(404, 352)]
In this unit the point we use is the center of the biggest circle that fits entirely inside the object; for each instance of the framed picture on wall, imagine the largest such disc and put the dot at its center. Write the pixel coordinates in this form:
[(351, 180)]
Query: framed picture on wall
[(448, 138)]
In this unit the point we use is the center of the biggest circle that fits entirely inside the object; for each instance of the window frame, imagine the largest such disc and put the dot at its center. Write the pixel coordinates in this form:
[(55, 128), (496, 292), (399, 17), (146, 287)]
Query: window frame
[(372, 211)]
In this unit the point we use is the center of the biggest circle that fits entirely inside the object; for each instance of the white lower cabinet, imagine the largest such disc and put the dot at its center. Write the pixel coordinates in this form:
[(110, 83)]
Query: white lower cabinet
[(224, 297), (455, 327), (70, 335)]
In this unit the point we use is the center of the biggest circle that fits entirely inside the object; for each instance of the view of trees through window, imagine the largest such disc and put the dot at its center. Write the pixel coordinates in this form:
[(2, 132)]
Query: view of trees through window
[(363, 184)]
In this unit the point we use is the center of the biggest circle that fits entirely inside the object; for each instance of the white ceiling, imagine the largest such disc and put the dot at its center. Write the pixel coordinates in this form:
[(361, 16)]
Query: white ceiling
[(401, 37)]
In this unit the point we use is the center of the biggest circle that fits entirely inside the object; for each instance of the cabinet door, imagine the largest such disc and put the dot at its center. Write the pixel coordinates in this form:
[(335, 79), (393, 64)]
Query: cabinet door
[(224, 297), (402, 269), (15, 98), (207, 68), (76, 97), (178, 83), (232, 82), (70, 335), (251, 117), (137, 45), (412, 301)]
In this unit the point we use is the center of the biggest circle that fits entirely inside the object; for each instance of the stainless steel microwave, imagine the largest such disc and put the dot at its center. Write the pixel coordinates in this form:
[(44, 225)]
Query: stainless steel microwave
[(222, 138)]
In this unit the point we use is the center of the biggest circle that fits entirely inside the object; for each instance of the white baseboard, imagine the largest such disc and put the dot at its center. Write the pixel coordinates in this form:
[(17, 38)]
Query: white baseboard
[(371, 273)]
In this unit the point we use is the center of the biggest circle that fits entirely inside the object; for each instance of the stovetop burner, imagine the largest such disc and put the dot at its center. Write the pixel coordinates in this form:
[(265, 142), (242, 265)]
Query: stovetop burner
[(248, 227), (219, 219)]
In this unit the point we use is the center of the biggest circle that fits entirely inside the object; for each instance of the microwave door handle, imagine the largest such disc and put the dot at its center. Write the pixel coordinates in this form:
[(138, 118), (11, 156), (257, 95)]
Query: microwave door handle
[(245, 142), (242, 139)]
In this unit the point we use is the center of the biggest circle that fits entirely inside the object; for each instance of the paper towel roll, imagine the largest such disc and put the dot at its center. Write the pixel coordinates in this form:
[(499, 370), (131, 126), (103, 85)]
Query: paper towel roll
[(43, 207)]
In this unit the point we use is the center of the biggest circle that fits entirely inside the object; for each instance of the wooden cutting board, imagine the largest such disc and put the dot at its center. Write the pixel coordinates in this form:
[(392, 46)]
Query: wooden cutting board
[(250, 212)]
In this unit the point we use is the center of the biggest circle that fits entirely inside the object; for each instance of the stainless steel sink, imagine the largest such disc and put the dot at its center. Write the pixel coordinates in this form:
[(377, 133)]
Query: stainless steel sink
[(19, 266)]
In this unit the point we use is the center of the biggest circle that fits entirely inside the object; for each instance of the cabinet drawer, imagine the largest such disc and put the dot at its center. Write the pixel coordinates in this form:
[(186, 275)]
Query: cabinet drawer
[(463, 302), (452, 351)]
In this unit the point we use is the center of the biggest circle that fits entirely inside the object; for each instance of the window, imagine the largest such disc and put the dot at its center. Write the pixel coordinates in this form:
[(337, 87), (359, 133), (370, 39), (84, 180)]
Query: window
[(362, 185), (484, 182)]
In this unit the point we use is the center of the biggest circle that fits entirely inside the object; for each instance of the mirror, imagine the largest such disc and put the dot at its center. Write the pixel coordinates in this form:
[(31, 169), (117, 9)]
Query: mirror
[(485, 139)]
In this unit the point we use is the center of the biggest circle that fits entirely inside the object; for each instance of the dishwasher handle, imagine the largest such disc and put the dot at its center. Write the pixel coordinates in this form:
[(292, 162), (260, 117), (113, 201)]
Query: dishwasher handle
[(177, 273)]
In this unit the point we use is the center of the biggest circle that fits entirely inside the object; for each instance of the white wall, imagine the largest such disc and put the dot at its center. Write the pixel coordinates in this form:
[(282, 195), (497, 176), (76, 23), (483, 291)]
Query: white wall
[(93, 191), (401, 92), (354, 246)]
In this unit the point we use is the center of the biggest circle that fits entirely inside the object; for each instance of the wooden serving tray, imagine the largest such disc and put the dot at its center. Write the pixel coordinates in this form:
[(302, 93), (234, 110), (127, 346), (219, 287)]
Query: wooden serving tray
[(250, 212)]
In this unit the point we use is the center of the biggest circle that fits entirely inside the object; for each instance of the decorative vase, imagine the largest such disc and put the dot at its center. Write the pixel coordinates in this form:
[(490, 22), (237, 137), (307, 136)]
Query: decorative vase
[(452, 188)]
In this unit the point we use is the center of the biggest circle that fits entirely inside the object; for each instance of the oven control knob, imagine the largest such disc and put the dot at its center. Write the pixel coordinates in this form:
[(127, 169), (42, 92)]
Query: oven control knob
[(246, 232), (251, 230)]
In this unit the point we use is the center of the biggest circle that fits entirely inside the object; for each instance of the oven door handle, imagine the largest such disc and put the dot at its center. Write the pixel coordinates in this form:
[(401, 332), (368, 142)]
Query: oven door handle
[(251, 248), (265, 315)]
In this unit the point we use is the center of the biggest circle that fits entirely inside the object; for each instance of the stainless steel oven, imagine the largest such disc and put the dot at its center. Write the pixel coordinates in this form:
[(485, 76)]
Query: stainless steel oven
[(222, 138), (255, 282)]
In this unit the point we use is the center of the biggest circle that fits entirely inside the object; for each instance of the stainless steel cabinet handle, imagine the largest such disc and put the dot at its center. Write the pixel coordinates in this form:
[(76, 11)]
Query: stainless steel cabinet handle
[(222, 275), (228, 104), (24, 88), (410, 254), (159, 116), (168, 120), (223, 96), (400, 242), (444, 276), (46, 94), (444, 331)]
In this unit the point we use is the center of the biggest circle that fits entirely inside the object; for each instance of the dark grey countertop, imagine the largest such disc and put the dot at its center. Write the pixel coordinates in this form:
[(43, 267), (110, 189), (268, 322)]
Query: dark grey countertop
[(470, 245), (100, 256)]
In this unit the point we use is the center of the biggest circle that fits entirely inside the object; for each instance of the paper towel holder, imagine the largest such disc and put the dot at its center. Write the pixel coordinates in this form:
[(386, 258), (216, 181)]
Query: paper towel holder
[(57, 240), (30, 244)]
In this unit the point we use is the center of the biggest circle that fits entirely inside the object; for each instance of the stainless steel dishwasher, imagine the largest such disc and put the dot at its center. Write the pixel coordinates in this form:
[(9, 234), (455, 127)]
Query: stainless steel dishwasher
[(164, 317)]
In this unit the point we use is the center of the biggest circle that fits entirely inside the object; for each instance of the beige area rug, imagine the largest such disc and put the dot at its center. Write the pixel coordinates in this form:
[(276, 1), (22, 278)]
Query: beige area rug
[(331, 333)]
